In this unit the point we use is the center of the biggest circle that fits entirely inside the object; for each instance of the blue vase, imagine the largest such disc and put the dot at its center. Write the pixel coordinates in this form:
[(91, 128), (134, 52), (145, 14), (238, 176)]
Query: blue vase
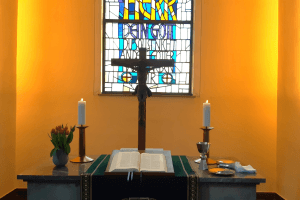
[(60, 158)]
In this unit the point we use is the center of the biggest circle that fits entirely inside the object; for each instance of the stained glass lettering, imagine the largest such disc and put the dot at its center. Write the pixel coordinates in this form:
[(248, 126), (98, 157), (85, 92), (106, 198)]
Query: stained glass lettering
[(164, 28)]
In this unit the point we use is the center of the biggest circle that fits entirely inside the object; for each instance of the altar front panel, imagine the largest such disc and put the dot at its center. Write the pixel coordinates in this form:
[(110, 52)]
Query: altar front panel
[(152, 187), (181, 186)]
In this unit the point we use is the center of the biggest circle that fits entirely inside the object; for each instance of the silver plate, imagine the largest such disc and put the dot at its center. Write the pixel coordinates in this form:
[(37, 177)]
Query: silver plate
[(221, 161), (225, 173)]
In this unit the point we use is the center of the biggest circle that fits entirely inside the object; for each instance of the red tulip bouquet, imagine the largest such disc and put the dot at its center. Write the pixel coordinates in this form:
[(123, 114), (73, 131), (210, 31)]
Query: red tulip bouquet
[(61, 138)]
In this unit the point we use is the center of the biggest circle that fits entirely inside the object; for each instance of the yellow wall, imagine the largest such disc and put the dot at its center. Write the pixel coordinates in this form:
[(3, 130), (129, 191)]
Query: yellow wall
[(55, 68), (8, 50), (288, 140)]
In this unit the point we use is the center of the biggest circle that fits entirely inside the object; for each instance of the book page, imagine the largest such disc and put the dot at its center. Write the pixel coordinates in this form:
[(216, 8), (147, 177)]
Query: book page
[(153, 162), (125, 161)]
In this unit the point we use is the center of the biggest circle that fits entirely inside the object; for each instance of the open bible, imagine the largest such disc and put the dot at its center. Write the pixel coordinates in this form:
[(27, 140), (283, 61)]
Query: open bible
[(136, 162)]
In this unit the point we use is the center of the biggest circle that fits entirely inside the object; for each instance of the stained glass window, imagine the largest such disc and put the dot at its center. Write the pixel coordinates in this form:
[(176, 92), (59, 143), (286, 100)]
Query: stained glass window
[(164, 28)]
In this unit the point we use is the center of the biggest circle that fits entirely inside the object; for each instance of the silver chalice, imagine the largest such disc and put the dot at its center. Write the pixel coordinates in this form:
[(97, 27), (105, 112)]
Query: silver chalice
[(203, 148)]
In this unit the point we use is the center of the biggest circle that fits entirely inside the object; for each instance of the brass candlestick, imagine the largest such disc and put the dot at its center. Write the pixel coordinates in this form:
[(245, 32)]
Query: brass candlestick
[(206, 130), (82, 157)]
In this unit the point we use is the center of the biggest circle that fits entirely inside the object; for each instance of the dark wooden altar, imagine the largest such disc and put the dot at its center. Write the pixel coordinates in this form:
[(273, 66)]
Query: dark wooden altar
[(45, 181)]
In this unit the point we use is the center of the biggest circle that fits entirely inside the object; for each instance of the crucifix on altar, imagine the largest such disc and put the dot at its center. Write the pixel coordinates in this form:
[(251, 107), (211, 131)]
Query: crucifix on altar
[(142, 66)]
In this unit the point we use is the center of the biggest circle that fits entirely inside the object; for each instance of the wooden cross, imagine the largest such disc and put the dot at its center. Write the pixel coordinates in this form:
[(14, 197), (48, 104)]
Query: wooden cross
[(142, 66)]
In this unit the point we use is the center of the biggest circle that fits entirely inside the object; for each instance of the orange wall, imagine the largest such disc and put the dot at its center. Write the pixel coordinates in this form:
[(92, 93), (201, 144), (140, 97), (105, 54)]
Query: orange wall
[(8, 50), (239, 76), (55, 68), (288, 140)]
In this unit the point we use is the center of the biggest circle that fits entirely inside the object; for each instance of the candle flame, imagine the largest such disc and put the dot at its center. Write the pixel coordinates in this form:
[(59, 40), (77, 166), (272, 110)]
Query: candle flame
[(81, 99), (206, 101)]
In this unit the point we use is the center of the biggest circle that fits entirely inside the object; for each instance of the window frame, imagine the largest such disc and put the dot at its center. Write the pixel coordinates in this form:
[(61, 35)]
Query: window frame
[(194, 89)]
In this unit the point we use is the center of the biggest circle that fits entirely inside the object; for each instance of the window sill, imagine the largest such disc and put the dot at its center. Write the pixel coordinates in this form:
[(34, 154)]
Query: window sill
[(154, 95)]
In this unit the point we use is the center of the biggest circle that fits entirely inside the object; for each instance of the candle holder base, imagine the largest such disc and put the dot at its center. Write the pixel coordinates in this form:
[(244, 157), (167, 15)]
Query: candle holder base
[(83, 159)]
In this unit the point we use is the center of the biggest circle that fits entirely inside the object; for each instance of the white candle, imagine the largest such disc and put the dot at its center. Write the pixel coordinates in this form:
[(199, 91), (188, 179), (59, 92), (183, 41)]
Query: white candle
[(206, 114), (81, 112)]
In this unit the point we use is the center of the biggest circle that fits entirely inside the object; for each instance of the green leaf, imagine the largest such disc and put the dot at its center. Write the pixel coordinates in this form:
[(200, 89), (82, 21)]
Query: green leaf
[(73, 129), (52, 152), (58, 141), (54, 138), (68, 149), (66, 145), (70, 138), (63, 139), (55, 145)]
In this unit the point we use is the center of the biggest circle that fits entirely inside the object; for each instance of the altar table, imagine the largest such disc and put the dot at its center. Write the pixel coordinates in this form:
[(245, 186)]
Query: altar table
[(74, 182)]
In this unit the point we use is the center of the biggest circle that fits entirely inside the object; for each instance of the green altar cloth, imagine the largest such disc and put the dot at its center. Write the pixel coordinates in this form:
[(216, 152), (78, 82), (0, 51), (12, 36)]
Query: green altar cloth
[(95, 185)]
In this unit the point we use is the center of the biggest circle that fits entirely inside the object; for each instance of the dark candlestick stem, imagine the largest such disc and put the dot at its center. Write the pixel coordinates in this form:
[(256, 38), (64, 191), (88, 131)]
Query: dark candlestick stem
[(82, 157), (82, 140)]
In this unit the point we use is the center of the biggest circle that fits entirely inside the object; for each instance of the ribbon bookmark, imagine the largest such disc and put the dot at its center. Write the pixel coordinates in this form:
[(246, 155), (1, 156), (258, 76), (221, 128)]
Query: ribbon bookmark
[(128, 176)]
